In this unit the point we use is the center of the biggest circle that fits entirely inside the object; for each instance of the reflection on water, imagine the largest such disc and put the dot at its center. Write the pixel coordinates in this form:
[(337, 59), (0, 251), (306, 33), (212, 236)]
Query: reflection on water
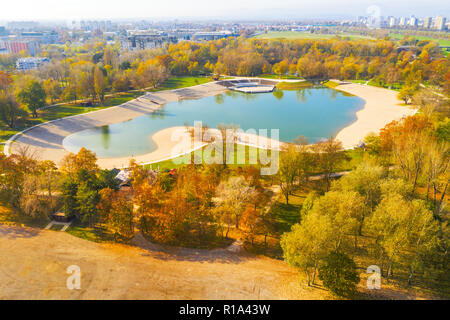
[(105, 137), (278, 94), (219, 99), (315, 113)]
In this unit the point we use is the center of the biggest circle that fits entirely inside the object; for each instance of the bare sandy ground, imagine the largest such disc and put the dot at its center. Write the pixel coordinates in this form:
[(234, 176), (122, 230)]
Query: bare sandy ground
[(33, 265), (382, 107)]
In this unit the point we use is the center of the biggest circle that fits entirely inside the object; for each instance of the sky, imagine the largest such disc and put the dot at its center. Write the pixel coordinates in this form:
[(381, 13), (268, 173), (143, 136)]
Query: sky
[(20, 10)]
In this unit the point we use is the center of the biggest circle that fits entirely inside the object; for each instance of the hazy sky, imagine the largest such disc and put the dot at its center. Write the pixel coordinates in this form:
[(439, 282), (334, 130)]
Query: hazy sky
[(227, 9)]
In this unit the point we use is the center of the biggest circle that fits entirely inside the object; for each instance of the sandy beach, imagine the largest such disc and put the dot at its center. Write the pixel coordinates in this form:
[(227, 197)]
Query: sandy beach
[(382, 107), (45, 141)]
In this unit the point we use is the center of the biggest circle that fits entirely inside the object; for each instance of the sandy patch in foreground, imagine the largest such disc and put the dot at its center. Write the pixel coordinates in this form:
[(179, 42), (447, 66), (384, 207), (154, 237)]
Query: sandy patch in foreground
[(382, 107), (33, 265)]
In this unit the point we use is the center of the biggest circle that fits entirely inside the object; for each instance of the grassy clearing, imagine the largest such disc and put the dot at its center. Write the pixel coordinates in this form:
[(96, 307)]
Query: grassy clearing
[(294, 85), (400, 36), (206, 158), (181, 82), (91, 234), (294, 35), (391, 86), (331, 84)]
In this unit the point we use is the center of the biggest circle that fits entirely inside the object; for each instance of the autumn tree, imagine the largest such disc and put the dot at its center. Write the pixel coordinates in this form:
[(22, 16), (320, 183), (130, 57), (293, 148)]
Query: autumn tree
[(233, 196)]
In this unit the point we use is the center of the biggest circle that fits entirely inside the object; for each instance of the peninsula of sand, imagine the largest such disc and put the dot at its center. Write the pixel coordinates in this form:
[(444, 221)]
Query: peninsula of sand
[(45, 141)]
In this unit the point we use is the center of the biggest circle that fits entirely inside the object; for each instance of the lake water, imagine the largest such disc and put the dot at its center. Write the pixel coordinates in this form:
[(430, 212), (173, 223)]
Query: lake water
[(316, 113)]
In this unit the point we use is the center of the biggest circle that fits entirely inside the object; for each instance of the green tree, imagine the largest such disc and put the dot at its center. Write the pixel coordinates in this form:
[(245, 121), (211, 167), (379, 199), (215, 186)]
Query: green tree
[(339, 274), (33, 96)]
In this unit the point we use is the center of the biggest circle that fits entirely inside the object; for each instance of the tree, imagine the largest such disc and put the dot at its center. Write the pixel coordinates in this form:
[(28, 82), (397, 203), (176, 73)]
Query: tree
[(406, 93), (339, 274), (9, 110), (85, 159), (399, 225), (365, 180), (329, 154), (33, 96), (281, 68), (234, 195), (307, 244), (288, 171), (52, 89), (99, 84)]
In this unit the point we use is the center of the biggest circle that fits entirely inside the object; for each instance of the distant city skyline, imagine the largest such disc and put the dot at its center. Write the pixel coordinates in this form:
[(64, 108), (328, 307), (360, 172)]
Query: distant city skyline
[(53, 10)]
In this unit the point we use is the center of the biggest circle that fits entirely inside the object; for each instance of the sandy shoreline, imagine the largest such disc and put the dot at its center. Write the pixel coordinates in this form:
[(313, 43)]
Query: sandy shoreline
[(382, 107), (45, 141)]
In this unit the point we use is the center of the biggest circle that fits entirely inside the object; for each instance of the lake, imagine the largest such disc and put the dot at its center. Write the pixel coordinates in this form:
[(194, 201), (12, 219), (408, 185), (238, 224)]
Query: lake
[(317, 113)]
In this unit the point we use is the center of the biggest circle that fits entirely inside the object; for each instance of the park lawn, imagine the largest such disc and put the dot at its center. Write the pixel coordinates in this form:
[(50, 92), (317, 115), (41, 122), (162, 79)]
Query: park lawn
[(294, 85), (78, 230), (178, 162), (294, 35), (391, 86), (400, 36), (331, 84), (181, 82)]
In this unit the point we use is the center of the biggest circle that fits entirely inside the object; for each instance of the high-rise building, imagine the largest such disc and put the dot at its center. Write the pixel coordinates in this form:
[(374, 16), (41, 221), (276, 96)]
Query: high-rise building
[(439, 23), (392, 22), (402, 22), (413, 21), (427, 22)]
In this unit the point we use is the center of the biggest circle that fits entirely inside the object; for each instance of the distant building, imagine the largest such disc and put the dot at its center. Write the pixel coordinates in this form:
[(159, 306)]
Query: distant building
[(23, 25), (146, 41), (392, 22), (206, 36), (402, 22), (24, 64), (427, 22), (42, 37), (413, 21), (439, 23), (16, 46)]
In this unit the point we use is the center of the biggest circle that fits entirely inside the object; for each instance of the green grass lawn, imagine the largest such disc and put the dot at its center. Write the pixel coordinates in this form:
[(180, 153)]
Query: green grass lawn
[(294, 35), (391, 86), (399, 36), (91, 234), (182, 82), (294, 85), (178, 161)]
